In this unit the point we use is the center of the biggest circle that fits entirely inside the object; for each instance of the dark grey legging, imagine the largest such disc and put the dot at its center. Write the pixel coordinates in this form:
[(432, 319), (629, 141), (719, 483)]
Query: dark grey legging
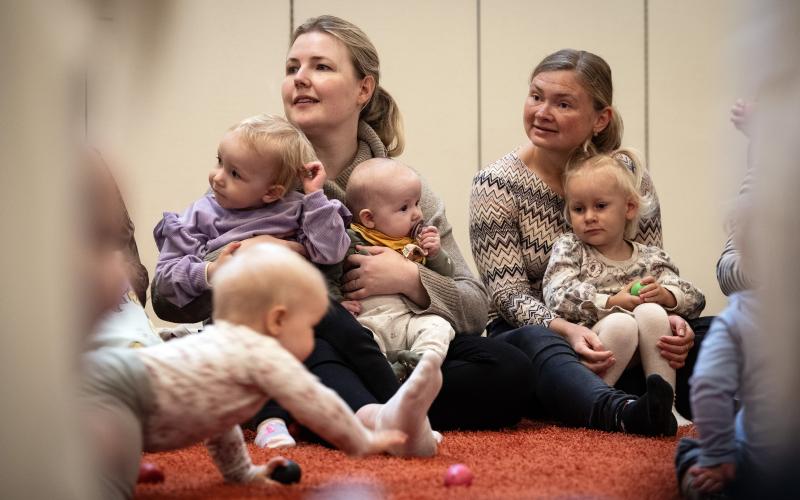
[(562, 388), (484, 381)]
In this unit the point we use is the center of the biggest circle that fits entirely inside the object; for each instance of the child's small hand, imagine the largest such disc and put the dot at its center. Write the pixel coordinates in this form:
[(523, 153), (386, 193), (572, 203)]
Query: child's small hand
[(223, 257), (712, 479), (262, 474), (314, 177), (430, 241), (742, 115), (652, 291), (624, 299), (354, 306)]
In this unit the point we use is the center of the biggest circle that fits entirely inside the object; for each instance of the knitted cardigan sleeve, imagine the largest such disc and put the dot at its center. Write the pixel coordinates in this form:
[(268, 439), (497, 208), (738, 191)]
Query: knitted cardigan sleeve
[(460, 299), (498, 250), (730, 275), (649, 233)]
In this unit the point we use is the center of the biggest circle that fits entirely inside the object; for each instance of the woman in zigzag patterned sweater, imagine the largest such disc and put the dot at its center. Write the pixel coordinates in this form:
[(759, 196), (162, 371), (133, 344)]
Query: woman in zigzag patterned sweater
[(517, 212)]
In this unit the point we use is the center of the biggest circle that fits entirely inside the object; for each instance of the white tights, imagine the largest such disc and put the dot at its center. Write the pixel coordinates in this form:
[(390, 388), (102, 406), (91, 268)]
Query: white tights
[(622, 334)]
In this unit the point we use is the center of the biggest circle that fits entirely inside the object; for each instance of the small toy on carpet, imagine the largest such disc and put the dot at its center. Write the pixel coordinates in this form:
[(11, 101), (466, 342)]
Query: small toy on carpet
[(287, 474), (150, 473), (458, 475)]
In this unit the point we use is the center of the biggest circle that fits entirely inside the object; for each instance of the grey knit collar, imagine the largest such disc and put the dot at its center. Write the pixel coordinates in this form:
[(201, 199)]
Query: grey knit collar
[(369, 146)]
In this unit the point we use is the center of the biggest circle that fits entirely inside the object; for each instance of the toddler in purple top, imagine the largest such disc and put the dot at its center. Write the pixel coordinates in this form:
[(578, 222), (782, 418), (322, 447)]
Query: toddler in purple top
[(260, 163)]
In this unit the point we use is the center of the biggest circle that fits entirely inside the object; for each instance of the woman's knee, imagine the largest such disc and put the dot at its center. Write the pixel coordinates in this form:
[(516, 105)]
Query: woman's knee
[(534, 340)]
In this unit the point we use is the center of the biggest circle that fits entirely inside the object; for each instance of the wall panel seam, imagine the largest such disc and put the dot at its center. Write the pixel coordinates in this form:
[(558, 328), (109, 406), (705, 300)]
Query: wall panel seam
[(478, 59), (647, 83)]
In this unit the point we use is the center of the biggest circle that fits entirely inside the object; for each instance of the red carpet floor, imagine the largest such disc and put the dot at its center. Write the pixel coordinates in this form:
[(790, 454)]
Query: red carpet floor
[(534, 460)]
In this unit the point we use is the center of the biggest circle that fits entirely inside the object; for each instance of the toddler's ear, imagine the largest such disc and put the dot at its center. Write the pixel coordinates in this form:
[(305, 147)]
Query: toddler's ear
[(274, 193), (632, 209), (275, 320), (366, 218)]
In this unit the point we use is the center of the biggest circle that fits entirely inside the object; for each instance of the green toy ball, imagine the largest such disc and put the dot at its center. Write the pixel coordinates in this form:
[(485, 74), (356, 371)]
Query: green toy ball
[(636, 287)]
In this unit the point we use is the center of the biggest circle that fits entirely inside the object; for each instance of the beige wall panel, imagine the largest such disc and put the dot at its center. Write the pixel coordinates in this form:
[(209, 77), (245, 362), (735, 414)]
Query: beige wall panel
[(517, 34), (428, 64), (696, 156), (170, 78)]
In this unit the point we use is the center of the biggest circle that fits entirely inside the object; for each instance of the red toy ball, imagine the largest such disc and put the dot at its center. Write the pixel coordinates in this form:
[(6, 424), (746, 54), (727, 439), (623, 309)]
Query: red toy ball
[(458, 475), (150, 473)]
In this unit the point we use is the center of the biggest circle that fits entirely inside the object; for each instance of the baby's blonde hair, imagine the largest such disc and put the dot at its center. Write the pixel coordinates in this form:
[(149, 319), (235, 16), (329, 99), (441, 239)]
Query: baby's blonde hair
[(365, 186), (274, 134), (262, 276), (628, 171)]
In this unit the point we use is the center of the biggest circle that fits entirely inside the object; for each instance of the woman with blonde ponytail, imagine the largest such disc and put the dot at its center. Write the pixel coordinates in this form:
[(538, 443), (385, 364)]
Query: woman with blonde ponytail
[(516, 215), (332, 92)]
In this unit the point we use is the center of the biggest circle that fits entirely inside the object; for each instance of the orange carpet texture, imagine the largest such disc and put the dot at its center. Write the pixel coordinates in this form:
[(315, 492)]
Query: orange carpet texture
[(532, 460)]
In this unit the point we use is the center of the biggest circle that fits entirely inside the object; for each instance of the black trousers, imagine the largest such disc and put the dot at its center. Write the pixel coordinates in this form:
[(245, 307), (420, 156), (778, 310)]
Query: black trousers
[(485, 382), (567, 391), (561, 387)]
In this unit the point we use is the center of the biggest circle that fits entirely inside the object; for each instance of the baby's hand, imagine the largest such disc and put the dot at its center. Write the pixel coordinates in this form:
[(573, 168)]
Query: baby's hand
[(430, 241), (353, 306), (262, 474), (652, 291), (314, 177), (223, 257), (712, 479), (742, 115), (624, 299)]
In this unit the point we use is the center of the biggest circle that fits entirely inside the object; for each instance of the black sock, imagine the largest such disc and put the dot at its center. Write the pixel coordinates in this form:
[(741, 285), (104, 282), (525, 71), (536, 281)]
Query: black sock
[(651, 414)]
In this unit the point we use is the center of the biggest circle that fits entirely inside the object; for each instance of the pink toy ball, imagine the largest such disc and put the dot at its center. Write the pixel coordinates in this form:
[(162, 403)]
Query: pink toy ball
[(458, 475), (150, 473)]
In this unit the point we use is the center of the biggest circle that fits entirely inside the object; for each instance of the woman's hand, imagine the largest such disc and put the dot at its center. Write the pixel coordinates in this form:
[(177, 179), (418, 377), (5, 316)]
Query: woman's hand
[(264, 238), (586, 344), (382, 272), (674, 348), (652, 291)]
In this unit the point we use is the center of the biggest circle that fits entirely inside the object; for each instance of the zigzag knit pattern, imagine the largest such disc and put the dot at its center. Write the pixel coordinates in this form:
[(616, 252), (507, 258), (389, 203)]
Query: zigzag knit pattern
[(514, 220)]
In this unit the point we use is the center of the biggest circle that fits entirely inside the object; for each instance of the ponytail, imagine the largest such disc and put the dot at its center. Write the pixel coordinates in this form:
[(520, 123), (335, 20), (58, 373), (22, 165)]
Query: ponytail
[(383, 115)]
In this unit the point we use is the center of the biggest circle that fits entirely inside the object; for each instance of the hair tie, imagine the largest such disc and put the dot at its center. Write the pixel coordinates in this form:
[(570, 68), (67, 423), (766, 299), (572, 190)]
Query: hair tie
[(627, 161)]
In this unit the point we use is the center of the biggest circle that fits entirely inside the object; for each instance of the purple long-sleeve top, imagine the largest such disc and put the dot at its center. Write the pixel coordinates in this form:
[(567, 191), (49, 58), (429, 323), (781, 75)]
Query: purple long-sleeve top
[(184, 240)]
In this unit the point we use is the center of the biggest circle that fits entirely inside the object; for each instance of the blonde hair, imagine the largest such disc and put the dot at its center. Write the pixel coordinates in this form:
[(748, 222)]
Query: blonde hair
[(259, 277), (594, 73), (381, 111), (628, 171), (367, 183), (274, 134)]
